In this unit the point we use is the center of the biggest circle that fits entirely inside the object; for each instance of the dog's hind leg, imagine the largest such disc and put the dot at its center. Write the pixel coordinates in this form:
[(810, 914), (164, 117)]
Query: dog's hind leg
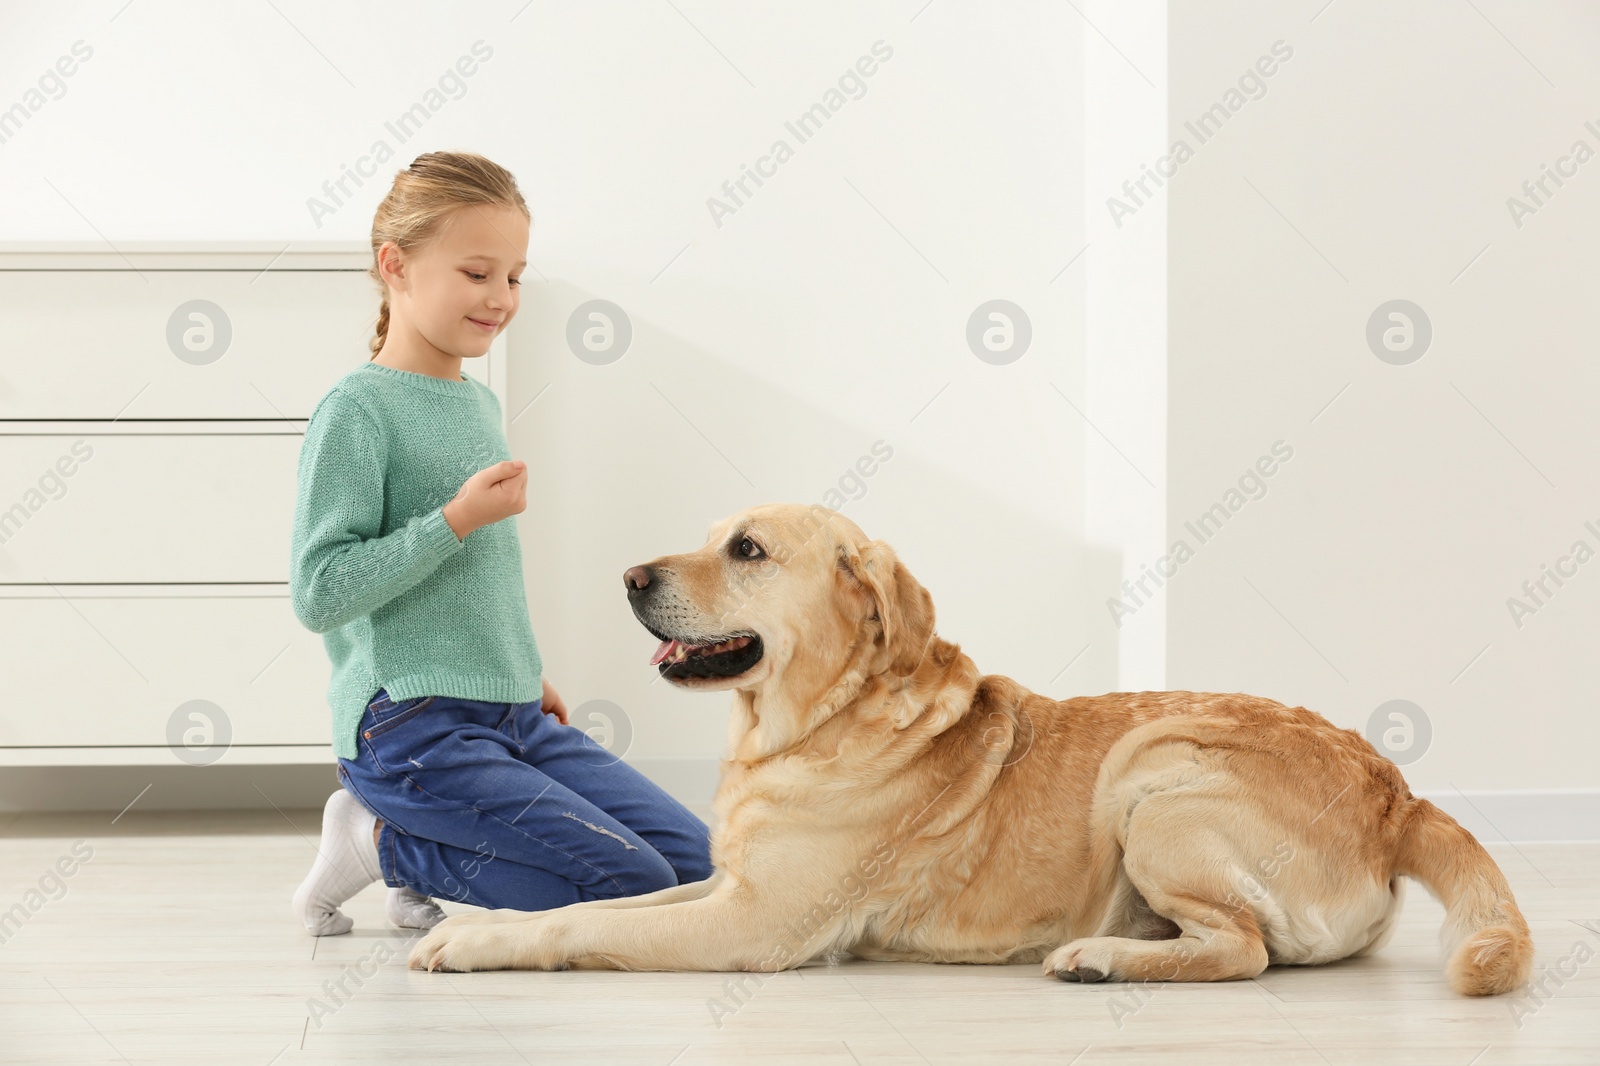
[(1183, 873)]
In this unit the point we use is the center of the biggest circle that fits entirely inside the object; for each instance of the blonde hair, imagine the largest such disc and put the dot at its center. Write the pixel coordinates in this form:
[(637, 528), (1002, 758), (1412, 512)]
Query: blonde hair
[(435, 184)]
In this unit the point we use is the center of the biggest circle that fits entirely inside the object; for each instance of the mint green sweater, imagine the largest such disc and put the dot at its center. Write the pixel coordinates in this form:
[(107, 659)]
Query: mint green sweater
[(401, 603)]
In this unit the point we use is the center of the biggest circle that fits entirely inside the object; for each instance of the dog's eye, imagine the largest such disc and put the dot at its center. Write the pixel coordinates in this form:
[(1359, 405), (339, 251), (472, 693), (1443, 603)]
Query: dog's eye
[(749, 549)]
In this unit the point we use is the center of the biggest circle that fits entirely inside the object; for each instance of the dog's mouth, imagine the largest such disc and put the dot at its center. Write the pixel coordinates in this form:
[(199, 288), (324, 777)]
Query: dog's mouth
[(730, 656)]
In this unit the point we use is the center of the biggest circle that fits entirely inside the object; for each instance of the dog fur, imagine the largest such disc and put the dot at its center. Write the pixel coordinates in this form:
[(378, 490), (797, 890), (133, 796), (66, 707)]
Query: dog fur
[(882, 797)]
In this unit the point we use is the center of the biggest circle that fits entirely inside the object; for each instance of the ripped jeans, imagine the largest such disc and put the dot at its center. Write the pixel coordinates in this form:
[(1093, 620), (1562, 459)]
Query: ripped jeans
[(500, 805)]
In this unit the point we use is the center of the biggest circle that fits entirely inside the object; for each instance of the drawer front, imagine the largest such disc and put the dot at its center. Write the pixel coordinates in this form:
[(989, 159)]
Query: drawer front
[(78, 344), (147, 507), (153, 403), (110, 667)]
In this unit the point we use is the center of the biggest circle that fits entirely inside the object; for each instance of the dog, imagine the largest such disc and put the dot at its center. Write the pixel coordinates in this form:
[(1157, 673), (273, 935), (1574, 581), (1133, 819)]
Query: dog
[(880, 797)]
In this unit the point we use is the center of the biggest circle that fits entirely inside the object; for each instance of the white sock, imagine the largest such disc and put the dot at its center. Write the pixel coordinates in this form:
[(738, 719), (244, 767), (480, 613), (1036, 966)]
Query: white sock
[(412, 910), (347, 862)]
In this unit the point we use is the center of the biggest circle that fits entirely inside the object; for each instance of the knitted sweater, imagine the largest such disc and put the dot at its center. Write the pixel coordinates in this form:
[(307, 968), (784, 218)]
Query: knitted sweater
[(401, 603)]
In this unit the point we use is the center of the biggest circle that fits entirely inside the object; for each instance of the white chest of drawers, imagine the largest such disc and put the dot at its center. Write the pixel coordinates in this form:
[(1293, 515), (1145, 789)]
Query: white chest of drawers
[(152, 403)]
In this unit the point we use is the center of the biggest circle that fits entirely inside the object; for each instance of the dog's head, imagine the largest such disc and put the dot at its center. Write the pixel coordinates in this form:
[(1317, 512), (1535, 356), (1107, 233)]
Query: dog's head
[(782, 594)]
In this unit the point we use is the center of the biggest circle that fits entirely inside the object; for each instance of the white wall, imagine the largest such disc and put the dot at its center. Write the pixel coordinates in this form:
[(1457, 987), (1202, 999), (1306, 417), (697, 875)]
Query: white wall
[(1377, 166), (1124, 421), (829, 312), (770, 353), (827, 315)]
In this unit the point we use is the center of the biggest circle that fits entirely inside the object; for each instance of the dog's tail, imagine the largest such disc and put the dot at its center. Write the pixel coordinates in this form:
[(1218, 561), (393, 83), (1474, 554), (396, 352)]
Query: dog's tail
[(1487, 944)]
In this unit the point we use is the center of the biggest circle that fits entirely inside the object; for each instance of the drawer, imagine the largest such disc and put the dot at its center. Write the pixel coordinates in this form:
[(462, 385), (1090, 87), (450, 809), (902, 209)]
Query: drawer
[(95, 343), (157, 505), (153, 403), (110, 666)]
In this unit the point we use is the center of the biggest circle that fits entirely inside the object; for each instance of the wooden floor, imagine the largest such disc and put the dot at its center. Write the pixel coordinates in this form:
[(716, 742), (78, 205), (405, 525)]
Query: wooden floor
[(174, 944)]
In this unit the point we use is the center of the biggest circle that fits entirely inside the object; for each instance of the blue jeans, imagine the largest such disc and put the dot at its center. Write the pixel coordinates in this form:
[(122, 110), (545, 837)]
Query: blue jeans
[(500, 805)]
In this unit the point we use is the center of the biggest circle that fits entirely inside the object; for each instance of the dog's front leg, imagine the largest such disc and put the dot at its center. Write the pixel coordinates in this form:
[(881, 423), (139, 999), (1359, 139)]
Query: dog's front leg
[(730, 929), (675, 894)]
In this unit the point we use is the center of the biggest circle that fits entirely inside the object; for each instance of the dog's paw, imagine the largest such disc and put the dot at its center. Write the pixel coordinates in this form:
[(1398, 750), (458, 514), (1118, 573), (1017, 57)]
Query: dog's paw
[(1088, 960), (454, 946)]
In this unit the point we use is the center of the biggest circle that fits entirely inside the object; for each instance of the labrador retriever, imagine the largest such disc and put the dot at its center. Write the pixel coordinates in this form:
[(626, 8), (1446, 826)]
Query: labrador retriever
[(880, 796)]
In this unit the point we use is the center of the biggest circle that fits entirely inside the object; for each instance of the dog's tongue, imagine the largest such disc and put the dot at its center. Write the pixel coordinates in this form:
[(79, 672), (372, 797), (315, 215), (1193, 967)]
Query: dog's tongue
[(662, 652)]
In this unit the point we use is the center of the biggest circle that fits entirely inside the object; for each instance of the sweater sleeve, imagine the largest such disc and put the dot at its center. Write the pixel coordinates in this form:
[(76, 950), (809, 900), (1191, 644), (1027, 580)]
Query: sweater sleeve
[(340, 567)]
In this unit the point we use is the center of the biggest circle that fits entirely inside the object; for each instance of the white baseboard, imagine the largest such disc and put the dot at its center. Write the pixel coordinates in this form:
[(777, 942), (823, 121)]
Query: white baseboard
[(1524, 816)]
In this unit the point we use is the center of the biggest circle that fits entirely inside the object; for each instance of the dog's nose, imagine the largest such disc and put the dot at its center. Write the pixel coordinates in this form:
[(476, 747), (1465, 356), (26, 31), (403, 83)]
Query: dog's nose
[(637, 578)]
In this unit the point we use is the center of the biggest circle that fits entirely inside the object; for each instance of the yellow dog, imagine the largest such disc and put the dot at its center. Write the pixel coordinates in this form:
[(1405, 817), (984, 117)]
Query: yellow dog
[(880, 796)]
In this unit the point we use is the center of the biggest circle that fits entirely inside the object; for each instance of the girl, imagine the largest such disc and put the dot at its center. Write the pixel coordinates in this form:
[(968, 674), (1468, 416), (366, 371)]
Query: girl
[(461, 776)]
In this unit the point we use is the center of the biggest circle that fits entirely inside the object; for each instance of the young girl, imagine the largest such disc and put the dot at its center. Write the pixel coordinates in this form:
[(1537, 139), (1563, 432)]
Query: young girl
[(461, 777)]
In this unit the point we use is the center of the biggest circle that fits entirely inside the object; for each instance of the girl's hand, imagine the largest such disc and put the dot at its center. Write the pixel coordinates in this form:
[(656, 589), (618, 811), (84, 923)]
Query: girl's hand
[(493, 493), (552, 703)]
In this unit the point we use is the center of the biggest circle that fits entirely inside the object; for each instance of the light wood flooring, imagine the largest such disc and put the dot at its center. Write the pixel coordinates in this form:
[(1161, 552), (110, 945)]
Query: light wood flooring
[(174, 944)]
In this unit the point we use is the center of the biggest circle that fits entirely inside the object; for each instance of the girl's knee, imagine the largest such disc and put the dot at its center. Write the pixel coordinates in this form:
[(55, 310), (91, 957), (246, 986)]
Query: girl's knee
[(643, 871), (694, 869)]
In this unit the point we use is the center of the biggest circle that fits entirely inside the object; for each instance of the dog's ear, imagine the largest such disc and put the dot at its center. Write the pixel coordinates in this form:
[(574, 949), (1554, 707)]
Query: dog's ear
[(899, 603)]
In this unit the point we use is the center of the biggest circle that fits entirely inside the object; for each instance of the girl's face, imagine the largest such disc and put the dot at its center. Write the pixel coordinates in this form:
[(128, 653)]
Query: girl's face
[(462, 290)]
